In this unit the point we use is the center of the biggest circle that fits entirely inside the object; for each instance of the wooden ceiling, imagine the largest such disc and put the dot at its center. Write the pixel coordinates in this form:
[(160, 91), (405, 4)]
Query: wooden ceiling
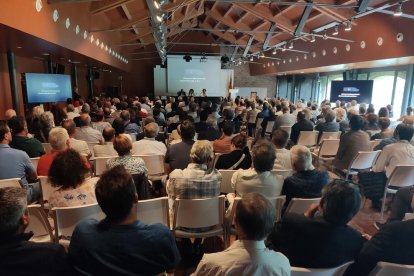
[(252, 24)]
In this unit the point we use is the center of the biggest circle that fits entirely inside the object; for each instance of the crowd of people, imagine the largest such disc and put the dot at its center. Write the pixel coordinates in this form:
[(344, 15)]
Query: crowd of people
[(197, 138)]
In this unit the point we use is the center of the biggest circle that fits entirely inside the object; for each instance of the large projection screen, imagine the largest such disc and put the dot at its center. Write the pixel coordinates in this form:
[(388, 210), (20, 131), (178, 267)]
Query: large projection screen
[(194, 75), (359, 90)]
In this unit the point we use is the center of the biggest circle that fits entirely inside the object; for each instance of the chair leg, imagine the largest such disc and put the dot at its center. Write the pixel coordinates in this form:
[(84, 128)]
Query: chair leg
[(383, 204)]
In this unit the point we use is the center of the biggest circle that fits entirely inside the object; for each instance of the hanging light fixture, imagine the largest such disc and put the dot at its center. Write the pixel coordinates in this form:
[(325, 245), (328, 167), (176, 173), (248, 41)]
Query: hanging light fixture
[(274, 51), (348, 25), (251, 58), (291, 45), (313, 38), (284, 48), (336, 31), (398, 10)]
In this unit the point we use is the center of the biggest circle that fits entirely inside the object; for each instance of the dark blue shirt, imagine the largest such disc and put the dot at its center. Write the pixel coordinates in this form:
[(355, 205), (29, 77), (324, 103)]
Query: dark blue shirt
[(101, 248)]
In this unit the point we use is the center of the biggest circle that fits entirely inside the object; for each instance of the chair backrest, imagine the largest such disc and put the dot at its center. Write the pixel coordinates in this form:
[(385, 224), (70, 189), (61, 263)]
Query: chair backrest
[(154, 164), (35, 161), (154, 211), (226, 181), (329, 147), (329, 135), (402, 176), (308, 138), (278, 202), (335, 271), (133, 137), (198, 213), (90, 146), (364, 160), (215, 158), (39, 223), (301, 205), (269, 126), (374, 143), (100, 164), (66, 218), (373, 132), (11, 182), (386, 269), (46, 189), (288, 129), (283, 173), (47, 147)]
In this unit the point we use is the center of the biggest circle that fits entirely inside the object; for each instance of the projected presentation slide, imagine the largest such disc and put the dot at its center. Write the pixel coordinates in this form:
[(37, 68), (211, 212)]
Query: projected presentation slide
[(359, 90), (194, 75), (45, 88)]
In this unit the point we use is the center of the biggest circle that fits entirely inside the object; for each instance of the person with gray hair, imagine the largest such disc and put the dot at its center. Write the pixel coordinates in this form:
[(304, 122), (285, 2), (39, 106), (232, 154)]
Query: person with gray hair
[(19, 256), (86, 132), (329, 125), (148, 145), (47, 122), (107, 149), (306, 182), (210, 132), (10, 113), (248, 255), (195, 181), (78, 145), (70, 112)]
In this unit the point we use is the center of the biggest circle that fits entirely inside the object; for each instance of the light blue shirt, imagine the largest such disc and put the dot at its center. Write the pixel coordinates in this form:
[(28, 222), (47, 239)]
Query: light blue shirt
[(14, 163)]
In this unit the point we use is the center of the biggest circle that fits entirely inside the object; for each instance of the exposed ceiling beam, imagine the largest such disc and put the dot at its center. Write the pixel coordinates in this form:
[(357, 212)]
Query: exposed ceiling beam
[(126, 11), (248, 45), (69, 1), (336, 13), (302, 21), (362, 6), (106, 5), (269, 35), (234, 52)]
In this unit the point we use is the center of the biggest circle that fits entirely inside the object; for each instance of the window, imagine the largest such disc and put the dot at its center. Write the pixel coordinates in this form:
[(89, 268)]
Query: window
[(382, 90)]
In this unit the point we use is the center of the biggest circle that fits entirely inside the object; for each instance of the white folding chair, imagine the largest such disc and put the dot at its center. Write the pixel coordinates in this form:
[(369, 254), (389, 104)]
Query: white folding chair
[(199, 213), (90, 146), (387, 269), (100, 164), (39, 224), (269, 127), (283, 173), (226, 181), (288, 129), (401, 176), (327, 151), (374, 143), (11, 182), (308, 138), (152, 211), (46, 190), (215, 158), (35, 161), (335, 271), (155, 166), (47, 147), (301, 205), (66, 218), (362, 161), (329, 135)]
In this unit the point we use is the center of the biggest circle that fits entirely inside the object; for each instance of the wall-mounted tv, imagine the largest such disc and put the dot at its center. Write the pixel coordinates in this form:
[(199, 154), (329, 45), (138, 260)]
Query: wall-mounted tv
[(46, 88), (359, 90)]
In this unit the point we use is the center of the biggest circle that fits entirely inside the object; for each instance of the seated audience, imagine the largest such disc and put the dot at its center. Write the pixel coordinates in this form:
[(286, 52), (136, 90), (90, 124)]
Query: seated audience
[(223, 144), (18, 255), (402, 203), (238, 158), (351, 143), (280, 139), (20, 141), (148, 145), (178, 155), (202, 124), (341, 119), (86, 132), (10, 113), (248, 255), (16, 164), (306, 182), (133, 164), (46, 124), (120, 244), (100, 124), (321, 238), (130, 128), (393, 243), (371, 122), (160, 136), (259, 178), (119, 127), (286, 119), (389, 141), (70, 112), (107, 149), (195, 181), (210, 132), (78, 145), (330, 124), (69, 175), (60, 142), (386, 132), (302, 125)]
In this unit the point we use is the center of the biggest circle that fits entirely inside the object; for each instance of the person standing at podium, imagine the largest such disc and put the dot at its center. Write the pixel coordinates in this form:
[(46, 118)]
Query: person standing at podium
[(204, 93)]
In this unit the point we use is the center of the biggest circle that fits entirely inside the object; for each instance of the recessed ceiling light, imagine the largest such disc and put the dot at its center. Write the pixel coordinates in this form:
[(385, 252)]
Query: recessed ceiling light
[(92, 38), (55, 15), (39, 5), (85, 34), (97, 42), (77, 29), (67, 23), (106, 48), (19, 47), (45, 54)]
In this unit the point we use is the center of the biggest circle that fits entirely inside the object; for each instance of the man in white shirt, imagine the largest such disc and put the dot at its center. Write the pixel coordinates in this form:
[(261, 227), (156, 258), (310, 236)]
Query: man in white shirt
[(107, 149), (86, 132), (78, 145), (248, 255), (280, 138), (148, 145)]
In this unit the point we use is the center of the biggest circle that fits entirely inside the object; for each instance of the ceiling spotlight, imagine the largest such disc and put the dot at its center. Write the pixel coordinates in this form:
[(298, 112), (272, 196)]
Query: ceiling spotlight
[(348, 26), (336, 31), (313, 38), (251, 58), (398, 10), (261, 55), (291, 45), (284, 48), (325, 37), (158, 4), (160, 17), (274, 51)]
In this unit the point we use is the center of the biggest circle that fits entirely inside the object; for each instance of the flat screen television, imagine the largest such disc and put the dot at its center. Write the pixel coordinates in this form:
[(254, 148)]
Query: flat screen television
[(359, 90), (47, 88)]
